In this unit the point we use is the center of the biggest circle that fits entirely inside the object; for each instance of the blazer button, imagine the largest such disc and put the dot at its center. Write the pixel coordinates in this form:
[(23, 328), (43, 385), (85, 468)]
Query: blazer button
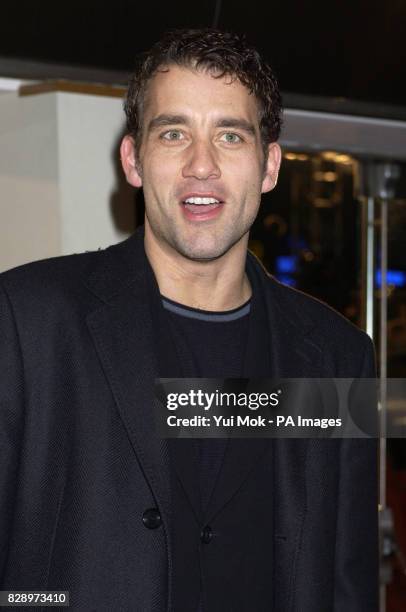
[(152, 518), (206, 534)]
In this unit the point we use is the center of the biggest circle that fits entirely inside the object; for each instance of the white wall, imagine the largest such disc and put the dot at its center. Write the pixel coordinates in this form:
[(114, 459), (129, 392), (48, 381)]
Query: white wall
[(61, 191), (29, 195), (88, 136)]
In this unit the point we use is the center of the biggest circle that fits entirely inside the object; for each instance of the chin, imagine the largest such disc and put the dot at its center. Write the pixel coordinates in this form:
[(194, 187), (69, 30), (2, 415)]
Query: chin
[(203, 252), (201, 255)]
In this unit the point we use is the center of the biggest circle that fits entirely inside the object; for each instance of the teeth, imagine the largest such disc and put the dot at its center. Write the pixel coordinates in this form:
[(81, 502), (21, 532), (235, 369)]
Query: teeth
[(201, 201)]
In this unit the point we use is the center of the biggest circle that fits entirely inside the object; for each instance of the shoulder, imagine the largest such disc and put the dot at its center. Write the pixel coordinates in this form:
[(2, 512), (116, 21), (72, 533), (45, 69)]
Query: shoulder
[(345, 347), (37, 290), (46, 273), (72, 284), (295, 306), (301, 305), (82, 274)]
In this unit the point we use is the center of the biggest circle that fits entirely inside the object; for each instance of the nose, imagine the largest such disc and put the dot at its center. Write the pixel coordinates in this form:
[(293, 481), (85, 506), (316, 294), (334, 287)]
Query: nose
[(201, 162)]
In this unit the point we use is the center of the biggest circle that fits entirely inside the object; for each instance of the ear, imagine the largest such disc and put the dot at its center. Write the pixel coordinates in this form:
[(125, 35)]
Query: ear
[(129, 162), (272, 167)]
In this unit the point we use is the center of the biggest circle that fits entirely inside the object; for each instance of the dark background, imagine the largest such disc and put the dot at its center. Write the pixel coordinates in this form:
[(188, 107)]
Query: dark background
[(335, 48)]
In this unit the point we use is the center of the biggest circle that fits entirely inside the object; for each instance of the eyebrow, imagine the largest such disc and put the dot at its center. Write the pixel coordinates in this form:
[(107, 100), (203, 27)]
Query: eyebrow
[(223, 122), (162, 120), (236, 123)]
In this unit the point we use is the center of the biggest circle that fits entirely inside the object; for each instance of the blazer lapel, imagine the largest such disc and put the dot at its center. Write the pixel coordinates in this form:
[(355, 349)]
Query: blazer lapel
[(295, 353), (122, 332)]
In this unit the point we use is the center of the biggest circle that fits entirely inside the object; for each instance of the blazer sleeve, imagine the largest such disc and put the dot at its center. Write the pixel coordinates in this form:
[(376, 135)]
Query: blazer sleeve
[(11, 420), (357, 549)]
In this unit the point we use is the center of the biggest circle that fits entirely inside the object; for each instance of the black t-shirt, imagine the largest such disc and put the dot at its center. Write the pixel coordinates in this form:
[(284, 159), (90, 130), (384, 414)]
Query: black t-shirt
[(208, 345)]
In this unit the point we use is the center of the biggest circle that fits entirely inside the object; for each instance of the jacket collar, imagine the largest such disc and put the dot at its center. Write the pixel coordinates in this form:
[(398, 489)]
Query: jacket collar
[(296, 351), (114, 270), (121, 266)]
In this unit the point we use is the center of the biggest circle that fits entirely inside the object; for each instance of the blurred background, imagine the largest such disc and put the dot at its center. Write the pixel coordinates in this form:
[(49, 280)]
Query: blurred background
[(335, 227)]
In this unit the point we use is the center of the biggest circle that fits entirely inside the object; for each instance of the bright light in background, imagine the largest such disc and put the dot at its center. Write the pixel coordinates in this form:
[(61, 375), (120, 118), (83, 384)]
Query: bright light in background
[(325, 177), (332, 156), (285, 266), (344, 159), (338, 158), (296, 156), (397, 278)]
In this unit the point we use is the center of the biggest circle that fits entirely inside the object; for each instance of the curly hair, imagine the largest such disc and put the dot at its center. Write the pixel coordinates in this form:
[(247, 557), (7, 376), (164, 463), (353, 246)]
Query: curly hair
[(221, 53)]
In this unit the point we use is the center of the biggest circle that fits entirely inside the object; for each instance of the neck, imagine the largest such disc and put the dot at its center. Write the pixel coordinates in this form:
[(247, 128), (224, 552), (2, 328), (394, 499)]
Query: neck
[(216, 285)]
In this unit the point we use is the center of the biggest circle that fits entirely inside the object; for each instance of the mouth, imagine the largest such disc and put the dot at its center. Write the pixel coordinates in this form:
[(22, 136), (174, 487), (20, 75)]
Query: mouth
[(201, 207)]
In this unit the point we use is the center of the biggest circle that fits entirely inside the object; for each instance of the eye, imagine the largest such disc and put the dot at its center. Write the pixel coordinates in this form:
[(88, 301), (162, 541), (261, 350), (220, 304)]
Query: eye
[(231, 138), (172, 135)]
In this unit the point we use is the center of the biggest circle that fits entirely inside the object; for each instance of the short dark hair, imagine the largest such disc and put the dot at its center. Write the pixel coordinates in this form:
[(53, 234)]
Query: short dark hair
[(224, 54)]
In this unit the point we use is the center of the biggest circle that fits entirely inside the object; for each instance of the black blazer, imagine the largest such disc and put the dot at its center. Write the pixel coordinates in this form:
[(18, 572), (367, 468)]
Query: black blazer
[(80, 465)]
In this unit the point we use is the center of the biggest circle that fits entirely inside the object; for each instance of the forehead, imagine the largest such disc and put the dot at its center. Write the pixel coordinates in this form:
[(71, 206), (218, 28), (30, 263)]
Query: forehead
[(180, 90)]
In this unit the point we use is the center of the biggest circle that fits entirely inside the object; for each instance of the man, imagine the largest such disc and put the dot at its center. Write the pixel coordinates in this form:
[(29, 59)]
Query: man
[(93, 500)]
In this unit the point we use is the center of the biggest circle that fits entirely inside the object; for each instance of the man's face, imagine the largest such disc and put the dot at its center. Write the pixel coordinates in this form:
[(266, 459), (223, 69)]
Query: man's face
[(200, 162)]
